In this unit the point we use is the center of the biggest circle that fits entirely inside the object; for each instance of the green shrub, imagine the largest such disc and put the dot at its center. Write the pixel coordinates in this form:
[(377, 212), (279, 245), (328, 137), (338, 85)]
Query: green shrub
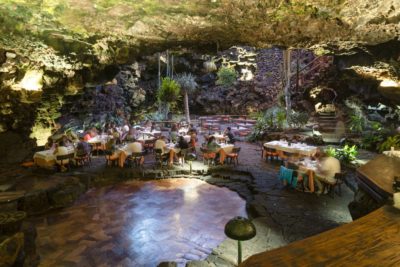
[(271, 120), (169, 91), (297, 119), (226, 76), (347, 154), (371, 141), (357, 123), (391, 141), (331, 152)]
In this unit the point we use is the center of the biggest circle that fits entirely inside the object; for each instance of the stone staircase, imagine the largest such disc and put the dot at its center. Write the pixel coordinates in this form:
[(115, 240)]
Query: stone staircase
[(327, 126)]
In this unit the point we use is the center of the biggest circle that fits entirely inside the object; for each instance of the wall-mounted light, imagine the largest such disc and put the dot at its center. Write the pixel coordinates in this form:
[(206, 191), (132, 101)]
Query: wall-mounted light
[(32, 80), (389, 83)]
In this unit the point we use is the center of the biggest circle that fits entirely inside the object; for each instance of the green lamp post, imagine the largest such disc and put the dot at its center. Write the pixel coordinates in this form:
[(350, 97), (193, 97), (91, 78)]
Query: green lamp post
[(190, 157), (240, 229)]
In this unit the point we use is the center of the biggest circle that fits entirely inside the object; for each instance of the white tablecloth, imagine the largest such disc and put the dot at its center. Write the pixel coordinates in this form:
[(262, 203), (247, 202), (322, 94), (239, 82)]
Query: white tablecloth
[(394, 153), (99, 139), (296, 148), (227, 148), (48, 155), (145, 138), (219, 137), (154, 132)]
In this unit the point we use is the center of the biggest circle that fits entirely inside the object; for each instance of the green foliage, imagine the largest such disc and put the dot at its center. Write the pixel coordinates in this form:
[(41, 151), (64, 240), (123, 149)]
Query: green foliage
[(347, 154), (297, 119), (271, 120), (280, 116), (331, 152), (357, 123), (169, 91), (372, 140), (391, 141), (187, 82), (226, 76)]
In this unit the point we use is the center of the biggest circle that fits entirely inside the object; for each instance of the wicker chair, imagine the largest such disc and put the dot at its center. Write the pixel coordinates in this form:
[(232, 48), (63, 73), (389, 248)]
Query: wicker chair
[(208, 155), (135, 159), (234, 156), (65, 160)]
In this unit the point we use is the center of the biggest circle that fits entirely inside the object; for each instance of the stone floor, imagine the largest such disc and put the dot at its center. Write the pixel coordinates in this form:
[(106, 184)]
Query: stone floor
[(281, 215)]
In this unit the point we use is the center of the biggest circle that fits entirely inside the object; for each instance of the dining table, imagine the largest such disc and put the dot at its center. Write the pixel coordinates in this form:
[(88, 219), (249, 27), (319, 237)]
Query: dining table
[(294, 148), (46, 158)]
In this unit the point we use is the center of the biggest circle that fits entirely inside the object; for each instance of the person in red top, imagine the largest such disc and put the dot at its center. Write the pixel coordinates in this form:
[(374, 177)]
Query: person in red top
[(87, 136)]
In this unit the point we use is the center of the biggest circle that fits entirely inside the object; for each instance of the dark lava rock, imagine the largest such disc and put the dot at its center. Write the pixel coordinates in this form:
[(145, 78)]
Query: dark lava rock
[(35, 202), (10, 249)]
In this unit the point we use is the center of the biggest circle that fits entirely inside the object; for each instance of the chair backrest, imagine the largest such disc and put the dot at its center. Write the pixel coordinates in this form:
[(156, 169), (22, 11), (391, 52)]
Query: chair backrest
[(149, 141), (137, 154), (64, 157), (183, 152), (339, 176), (292, 166), (108, 152), (205, 150), (236, 150), (81, 154), (288, 154)]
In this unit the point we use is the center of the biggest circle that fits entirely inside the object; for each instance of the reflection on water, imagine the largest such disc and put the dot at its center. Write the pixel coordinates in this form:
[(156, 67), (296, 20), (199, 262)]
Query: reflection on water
[(139, 224)]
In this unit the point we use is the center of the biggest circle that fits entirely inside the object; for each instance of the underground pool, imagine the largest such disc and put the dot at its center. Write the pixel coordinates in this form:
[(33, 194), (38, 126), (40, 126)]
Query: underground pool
[(139, 223)]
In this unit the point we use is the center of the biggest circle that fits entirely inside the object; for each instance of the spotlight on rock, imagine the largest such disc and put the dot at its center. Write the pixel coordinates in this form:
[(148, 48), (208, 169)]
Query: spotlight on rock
[(240, 229)]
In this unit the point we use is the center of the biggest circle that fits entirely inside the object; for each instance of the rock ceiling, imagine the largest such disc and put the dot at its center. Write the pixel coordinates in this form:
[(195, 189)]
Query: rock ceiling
[(116, 29)]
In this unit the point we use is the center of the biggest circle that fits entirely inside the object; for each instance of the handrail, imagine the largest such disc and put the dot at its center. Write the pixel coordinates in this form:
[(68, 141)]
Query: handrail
[(306, 66)]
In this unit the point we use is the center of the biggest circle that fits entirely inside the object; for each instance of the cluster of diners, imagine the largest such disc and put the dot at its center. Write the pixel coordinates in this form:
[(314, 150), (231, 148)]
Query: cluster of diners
[(126, 145), (305, 166)]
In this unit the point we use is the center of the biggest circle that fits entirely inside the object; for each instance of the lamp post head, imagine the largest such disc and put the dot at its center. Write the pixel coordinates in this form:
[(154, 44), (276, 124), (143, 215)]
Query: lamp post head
[(240, 228)]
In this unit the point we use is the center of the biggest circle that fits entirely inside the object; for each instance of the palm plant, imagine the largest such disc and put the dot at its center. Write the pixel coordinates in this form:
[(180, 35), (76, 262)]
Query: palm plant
[(168, 94), (188, 85)]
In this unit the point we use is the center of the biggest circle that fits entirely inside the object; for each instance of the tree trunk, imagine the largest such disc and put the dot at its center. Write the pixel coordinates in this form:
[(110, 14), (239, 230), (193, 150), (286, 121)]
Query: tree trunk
[(186, 100), (287, 76)]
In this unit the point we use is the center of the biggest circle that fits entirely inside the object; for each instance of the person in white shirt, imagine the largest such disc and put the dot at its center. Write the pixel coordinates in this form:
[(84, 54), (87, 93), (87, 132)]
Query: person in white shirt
[(327, 168), (133, 147), (161, 144), (61, 150)]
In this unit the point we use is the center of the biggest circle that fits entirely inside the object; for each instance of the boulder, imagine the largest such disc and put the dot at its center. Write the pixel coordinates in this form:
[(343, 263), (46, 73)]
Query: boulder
[(10, 249)]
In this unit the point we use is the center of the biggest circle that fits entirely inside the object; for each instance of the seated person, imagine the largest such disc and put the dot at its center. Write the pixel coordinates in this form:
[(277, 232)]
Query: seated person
[(83, 148), (212, 144), (111, 147), (327, 168), (192, 129), (132, 135), (193, 141), (50, 144), (173, 134), (61, 150), (89, 135), (182, 144), (161, 144), (148, 126), (94, 131), (67, 142), (135, 147), (229, 134)]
